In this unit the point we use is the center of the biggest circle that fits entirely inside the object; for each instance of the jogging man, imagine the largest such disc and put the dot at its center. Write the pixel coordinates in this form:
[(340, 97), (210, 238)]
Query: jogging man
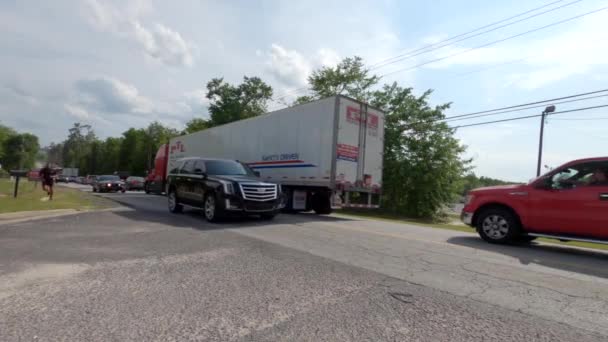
[(46, 175)]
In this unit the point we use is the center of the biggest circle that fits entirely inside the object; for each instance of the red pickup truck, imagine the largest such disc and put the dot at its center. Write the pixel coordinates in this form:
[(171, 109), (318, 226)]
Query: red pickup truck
[(568, 203)]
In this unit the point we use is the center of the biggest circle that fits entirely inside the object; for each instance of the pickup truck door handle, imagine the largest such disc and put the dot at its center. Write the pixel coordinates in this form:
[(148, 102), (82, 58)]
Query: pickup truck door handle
[(604, 197)]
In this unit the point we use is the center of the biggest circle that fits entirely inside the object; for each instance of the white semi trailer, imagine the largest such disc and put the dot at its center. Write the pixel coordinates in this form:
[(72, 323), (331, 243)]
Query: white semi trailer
[(324, 154)]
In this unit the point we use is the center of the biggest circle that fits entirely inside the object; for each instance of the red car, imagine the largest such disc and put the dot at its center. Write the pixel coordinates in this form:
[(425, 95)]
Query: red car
[(568, 203)]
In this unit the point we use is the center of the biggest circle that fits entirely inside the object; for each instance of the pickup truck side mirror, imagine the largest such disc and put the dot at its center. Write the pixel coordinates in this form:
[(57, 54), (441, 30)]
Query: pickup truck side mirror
[(257, 173), (545, 183)]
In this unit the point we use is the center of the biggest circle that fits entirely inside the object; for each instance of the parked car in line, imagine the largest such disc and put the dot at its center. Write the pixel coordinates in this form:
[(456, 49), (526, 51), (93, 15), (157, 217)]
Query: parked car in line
[(568, 203), (62, 179), (134, 183), (108, 183), (221, 187), (89, 179)]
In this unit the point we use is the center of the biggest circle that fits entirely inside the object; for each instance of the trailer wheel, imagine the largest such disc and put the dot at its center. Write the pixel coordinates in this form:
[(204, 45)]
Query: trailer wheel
[(321, 203)]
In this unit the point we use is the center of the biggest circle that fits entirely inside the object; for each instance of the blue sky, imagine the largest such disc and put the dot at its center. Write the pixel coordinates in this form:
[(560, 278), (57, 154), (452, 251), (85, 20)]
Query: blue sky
[(117, 64)]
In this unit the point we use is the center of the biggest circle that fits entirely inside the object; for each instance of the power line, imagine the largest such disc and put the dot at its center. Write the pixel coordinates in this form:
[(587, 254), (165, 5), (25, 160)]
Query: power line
[(528, 104), (441, 44), (521, 109), (494, 42), (528, 117), (471, 49), (397, 58), (469, 32)]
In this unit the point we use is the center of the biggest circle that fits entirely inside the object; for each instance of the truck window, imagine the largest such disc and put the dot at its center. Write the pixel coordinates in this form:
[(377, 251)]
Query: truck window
[(586, 174)]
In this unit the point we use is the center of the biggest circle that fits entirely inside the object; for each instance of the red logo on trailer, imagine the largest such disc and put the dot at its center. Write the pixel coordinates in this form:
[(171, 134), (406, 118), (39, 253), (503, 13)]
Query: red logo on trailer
[(353, 115), (177, 147)]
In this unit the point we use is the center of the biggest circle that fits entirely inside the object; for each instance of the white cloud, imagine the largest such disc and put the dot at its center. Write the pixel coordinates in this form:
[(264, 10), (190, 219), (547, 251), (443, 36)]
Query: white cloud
[(162, 44), (168, 47), (561, 56), (288, 66), (111, 95), (77, 112)]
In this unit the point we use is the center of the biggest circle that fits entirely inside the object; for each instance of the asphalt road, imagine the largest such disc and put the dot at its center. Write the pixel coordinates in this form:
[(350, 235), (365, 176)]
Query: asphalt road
[(143, 274)]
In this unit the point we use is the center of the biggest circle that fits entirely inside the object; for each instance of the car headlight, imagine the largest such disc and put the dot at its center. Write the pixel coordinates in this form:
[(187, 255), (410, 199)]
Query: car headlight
[(228, 188), (468, 199)]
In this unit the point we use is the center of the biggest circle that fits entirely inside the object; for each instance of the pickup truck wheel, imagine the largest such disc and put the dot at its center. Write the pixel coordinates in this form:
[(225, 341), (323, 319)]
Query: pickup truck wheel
[(211, 210), (173, 202), (498, 225)]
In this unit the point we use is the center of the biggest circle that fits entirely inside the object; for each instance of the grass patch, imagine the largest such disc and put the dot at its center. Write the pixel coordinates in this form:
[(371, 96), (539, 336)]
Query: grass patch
[(30, 198), (386, 216)]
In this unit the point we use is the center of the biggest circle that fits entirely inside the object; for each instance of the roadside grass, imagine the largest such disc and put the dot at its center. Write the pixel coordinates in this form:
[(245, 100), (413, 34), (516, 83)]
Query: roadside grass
[(30, 197), (386, 216)]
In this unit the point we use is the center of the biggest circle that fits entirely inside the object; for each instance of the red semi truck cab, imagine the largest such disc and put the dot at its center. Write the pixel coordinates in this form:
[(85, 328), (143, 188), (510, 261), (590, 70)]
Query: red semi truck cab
[(157, 177), (568, 203)]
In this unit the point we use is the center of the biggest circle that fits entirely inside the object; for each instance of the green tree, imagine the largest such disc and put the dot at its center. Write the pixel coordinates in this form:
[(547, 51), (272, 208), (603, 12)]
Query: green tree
[(5, 133), (423, 161), (109, 156), (20, 151), (349, 77), (230, 103), (196, 124), (76, 147)]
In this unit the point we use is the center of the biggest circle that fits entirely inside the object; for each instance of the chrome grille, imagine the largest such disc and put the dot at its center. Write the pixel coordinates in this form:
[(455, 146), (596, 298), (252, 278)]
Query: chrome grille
[(258, 191)]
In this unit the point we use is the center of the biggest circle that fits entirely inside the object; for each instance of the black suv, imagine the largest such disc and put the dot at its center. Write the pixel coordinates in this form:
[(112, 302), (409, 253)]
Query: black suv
[(221, 187)]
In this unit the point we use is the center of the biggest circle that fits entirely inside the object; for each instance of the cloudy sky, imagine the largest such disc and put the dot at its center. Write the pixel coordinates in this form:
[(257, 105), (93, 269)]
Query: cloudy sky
[(118, 64)]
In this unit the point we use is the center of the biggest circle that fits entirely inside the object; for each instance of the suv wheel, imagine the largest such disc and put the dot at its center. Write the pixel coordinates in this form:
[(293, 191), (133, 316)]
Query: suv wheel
[(173, 202), (211, 210), (498, 225)]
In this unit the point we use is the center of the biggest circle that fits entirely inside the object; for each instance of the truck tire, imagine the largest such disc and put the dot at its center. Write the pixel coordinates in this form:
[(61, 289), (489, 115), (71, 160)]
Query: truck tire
[(211, 210), (498, 225), (173, 202), (321, 204)]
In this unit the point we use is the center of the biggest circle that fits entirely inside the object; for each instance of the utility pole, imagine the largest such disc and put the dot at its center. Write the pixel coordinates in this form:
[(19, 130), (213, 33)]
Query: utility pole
[(549, 109)]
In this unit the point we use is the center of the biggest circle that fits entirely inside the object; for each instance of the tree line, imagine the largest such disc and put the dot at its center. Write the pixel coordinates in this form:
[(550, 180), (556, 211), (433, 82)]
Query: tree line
[(424, 167)]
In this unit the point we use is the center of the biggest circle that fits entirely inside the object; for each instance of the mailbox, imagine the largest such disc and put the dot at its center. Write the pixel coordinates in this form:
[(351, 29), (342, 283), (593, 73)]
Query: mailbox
[(18, 173)]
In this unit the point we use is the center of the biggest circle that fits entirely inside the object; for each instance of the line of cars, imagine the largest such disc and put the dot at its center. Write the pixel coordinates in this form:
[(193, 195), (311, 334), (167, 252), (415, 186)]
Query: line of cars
[(114, 183)]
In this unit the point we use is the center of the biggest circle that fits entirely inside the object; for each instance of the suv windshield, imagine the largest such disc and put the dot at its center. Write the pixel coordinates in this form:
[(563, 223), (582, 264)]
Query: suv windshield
[(108, 178), (227, 167)]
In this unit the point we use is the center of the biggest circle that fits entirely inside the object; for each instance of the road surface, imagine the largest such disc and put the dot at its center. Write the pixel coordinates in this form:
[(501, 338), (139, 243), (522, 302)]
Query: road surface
[(141, 273)]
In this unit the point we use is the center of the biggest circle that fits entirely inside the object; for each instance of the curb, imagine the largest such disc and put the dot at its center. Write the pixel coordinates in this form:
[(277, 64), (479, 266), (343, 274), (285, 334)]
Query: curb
[(68, 212)]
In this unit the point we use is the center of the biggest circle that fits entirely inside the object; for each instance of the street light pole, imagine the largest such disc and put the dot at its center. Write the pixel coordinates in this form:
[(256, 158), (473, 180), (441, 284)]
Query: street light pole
[(549, 109)]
